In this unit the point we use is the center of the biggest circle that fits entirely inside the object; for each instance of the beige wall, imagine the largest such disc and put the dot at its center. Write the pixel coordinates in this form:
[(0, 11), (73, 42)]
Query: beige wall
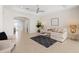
[(66, 17), (1, 18), (9, 16)]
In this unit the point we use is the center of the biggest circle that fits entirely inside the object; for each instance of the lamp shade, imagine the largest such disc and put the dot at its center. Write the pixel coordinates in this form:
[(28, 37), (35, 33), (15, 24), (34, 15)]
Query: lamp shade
[(73, 28)]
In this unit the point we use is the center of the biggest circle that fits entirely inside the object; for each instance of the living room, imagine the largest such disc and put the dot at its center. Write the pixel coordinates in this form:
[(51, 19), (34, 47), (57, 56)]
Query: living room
[(59, 22)]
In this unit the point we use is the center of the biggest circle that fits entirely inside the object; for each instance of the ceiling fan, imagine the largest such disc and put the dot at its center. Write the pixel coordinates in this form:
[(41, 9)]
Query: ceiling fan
[(37, 10)]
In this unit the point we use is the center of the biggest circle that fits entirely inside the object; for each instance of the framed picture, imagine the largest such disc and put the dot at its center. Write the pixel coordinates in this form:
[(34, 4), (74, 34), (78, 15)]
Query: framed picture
[(55, 21)]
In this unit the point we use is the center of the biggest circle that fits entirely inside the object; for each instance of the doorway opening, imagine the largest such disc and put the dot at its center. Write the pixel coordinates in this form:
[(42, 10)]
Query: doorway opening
[(21, 25)]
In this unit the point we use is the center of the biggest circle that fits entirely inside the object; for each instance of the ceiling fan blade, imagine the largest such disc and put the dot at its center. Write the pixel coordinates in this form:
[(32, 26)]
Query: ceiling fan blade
[(29, 9), (41, 11), (37, 10)]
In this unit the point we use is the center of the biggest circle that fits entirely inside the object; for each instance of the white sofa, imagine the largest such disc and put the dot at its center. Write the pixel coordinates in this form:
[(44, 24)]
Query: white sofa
[(7, 45), (57, 33)]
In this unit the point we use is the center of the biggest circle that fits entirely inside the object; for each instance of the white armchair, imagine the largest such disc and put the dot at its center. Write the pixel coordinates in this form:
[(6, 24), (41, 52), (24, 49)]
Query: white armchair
[(7, 45)]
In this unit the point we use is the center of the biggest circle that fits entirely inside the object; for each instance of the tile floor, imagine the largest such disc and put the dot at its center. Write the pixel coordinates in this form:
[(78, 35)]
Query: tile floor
[(26, 45)]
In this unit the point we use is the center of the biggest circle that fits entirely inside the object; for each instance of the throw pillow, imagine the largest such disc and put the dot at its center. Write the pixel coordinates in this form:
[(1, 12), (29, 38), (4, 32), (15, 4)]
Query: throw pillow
[(3, 36)]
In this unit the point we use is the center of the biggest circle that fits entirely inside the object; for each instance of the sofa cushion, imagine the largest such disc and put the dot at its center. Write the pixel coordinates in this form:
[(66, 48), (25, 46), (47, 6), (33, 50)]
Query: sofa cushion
[(60, 30), (3, 36), (56, 34)]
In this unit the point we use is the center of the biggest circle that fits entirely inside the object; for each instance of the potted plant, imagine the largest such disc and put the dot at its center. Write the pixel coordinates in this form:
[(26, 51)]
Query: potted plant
[(39, 26)]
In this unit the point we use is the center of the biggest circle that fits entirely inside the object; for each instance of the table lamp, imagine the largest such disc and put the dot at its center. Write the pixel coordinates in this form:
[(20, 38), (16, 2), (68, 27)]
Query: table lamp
[(73, 28)]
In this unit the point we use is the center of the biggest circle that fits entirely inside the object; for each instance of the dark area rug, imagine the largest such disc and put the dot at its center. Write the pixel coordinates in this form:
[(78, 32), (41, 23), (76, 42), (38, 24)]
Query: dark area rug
[(44, 40)]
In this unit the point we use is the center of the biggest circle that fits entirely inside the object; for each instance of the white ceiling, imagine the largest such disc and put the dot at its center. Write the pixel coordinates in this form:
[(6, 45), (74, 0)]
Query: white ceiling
[(45, 8)]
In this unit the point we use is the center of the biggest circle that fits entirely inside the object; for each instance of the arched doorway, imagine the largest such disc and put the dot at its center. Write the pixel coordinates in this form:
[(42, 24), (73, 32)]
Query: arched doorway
[(21, 24)]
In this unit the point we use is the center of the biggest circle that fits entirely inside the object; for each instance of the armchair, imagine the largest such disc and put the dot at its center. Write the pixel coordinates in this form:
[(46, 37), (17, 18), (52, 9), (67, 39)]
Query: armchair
[(6, 44)]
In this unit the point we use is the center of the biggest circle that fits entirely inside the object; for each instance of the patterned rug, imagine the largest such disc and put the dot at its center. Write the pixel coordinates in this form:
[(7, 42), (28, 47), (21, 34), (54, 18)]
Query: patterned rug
[(44, 40)]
